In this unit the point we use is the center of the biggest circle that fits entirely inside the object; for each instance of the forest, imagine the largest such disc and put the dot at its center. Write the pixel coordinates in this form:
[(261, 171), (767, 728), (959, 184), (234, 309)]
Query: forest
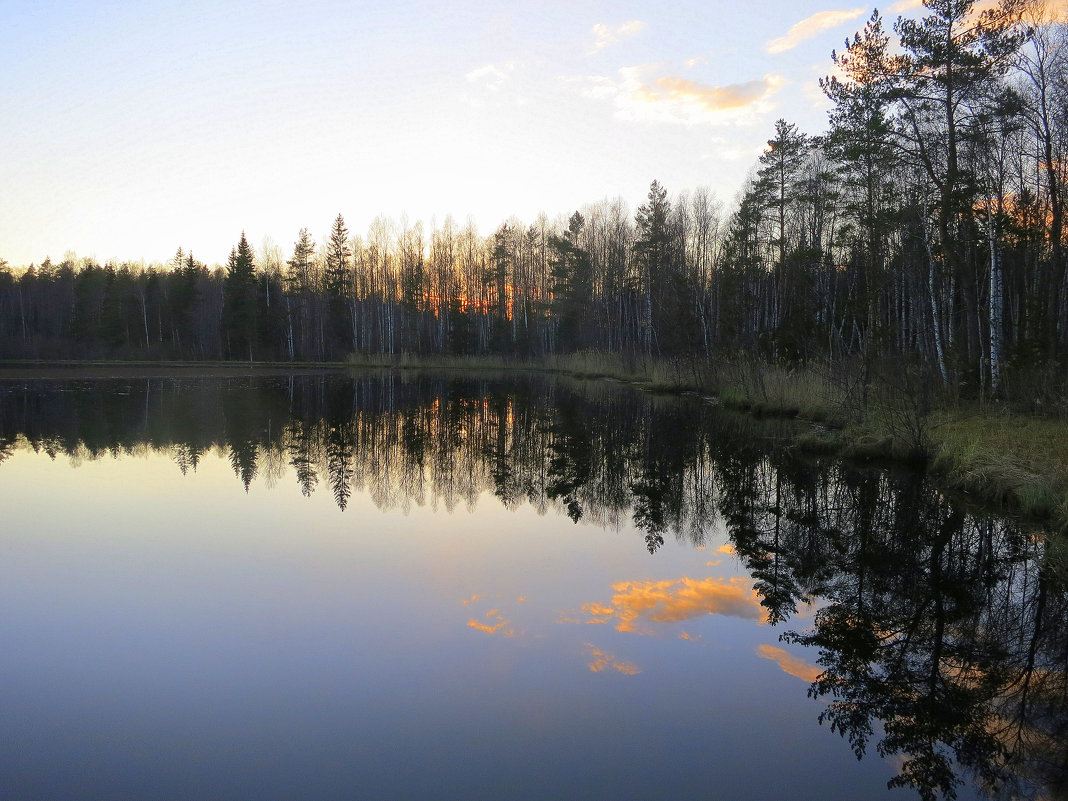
[(924, 227)]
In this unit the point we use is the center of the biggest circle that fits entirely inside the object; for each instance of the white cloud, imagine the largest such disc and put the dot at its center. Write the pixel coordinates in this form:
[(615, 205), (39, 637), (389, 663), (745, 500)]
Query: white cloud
[(604, 35), (491, 77), (810, 27)]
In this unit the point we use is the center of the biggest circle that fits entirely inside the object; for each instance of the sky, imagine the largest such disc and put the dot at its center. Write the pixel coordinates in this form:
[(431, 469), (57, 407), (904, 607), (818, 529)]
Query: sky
[(128, 129)]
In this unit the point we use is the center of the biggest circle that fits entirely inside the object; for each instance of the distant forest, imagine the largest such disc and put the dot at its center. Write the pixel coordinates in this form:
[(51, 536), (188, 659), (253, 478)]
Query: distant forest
[(926, 225)]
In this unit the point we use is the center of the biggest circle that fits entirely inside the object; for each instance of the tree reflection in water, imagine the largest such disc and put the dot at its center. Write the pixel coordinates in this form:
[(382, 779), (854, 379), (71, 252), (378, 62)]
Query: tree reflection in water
[(941, 638)]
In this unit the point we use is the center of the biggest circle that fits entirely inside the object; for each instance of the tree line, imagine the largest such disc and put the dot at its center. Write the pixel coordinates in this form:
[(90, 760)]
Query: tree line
[(926, 224)]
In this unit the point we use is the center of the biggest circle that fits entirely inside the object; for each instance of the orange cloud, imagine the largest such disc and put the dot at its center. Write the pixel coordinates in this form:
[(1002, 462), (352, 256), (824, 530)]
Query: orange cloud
[(636, 604), (1056, 9), (810, 27), (638, 96), (474, 624), (727, 549), (501, 625), (1051, 10), (789, 663), (1041, 13), (708, 98), (602, 660), (598, 609)]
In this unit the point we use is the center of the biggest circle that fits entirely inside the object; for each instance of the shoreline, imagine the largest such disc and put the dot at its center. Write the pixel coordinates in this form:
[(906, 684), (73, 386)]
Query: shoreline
[(1015, 462)]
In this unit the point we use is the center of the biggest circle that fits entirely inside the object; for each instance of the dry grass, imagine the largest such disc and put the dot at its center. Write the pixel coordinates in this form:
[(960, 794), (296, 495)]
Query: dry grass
[(654, 374), (410, 361), (1021, 461), (771, 389), (1018, 461), (1057, 557), (667, 375)]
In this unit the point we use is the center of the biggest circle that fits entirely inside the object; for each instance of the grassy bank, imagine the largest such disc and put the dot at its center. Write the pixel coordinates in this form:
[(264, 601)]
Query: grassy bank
[(661, 375), (1012, 459), (1020, 461)]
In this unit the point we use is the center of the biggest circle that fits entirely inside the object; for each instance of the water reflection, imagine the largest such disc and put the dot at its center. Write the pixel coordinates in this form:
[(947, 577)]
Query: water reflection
[(935, 634), (938, 633), (637, 605), (604, 456)]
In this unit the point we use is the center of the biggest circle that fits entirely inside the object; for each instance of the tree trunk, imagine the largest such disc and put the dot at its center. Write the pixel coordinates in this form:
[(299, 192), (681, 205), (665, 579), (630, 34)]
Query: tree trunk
[(996, 304)]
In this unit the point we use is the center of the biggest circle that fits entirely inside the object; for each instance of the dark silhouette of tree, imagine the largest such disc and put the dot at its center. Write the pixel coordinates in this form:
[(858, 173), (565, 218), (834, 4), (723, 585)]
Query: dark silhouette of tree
[(337, 284), (572, 273), (240, 317), (301, 449), (300, 292), (498, 279), (651, 252), (571, 459), (860, 142)]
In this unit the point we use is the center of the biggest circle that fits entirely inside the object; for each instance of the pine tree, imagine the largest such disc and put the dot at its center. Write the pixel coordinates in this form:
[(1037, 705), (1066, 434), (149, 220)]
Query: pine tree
[(952, 60), (572, 274), (650, 249), (501, 261), (299, 285), (669, 316), (240, 318), (860, 142), (338, 284), (779, 174), (338, 255)]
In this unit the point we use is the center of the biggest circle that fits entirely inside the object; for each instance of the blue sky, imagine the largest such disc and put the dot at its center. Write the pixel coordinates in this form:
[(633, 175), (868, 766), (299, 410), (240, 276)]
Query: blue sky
[(129, 129)]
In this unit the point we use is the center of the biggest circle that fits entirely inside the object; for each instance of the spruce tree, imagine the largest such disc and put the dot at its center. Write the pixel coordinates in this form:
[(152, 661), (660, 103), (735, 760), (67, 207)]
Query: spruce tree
[(650, 248), (572, 273), (337, 283), (338, 255), (860, 142), (240, 317)]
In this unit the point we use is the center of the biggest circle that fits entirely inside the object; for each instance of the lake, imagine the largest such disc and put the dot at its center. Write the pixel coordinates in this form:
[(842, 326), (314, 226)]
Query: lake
[(452, 586)]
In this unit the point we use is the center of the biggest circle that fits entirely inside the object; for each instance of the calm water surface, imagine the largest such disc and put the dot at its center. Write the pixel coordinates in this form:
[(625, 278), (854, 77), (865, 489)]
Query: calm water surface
[(397, 587)]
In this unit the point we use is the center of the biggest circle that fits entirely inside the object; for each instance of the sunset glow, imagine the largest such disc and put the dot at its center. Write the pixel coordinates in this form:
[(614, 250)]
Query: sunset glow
[(133, 130)]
